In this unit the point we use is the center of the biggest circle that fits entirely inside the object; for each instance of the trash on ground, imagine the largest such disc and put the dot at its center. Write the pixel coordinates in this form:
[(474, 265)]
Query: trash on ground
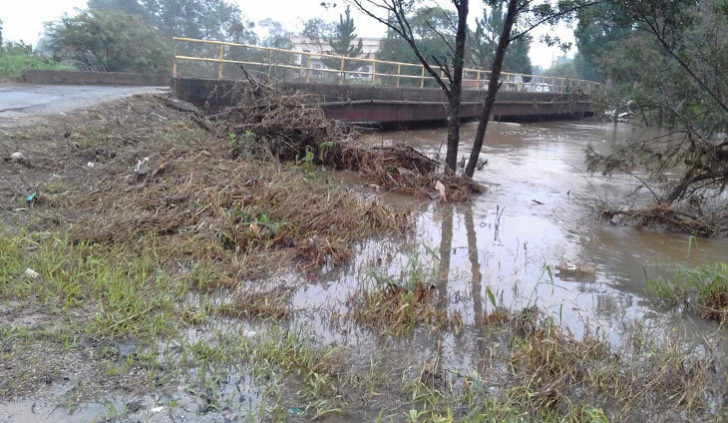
[(441, 189), (31, 274), (142, 167), (570, 268), (19, 158)]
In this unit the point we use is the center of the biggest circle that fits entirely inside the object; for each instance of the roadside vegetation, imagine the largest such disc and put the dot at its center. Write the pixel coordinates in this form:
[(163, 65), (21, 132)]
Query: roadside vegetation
[(18, 57)]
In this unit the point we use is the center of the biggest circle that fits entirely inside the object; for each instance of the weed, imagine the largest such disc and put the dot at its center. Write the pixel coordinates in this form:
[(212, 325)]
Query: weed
[(394, 304), (18, 57), (265, 305), (703, 289)]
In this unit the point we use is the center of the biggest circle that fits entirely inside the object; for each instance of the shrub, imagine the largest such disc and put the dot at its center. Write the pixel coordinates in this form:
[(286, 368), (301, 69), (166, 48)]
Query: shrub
[(109, 41)]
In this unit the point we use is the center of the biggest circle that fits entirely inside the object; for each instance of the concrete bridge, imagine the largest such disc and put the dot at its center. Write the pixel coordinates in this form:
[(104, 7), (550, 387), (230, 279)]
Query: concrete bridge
[(371, 91), (395, 106)]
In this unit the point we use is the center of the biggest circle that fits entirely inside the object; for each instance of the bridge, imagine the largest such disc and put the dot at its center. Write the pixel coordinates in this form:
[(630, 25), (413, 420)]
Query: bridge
[(371, 91)]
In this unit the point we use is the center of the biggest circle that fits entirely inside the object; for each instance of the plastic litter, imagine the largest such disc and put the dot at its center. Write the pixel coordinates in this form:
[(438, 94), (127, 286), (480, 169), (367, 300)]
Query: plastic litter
[(31, 274)]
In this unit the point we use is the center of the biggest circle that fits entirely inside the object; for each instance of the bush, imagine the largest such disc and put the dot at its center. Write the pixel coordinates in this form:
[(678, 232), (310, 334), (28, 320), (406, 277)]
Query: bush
[(109, 41), (17, 57)]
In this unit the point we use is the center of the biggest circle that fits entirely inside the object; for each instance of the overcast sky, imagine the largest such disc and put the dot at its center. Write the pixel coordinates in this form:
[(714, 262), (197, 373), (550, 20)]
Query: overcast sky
[(23, 19)]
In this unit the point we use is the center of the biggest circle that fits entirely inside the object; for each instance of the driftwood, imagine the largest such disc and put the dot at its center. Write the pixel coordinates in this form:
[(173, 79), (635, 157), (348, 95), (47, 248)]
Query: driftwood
[(291, 126)]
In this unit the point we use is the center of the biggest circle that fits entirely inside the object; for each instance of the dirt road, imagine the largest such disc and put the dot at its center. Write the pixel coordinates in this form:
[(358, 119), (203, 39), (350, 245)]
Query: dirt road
[(21, 102)]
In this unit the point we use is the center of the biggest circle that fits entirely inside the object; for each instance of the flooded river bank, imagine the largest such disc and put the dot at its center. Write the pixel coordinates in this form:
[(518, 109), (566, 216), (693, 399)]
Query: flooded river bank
[(540, 209), (491, 329)]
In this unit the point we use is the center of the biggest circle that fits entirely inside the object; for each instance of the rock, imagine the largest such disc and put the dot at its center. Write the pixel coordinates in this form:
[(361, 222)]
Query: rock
[(134, 406), (127, 348)]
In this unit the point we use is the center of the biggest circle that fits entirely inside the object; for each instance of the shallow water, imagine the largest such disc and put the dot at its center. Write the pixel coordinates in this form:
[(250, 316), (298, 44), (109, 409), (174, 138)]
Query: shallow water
[(539, 210)]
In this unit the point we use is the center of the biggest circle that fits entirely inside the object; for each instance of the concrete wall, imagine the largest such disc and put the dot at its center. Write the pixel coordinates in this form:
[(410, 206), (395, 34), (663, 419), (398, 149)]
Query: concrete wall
[(34, 76)]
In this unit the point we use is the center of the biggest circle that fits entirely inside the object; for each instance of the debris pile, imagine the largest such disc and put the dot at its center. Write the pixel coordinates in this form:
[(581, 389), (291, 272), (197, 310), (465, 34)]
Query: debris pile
[(267, 121)]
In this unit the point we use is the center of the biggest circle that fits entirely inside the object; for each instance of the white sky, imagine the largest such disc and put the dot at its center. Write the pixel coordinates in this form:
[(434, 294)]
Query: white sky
[(23, 19)]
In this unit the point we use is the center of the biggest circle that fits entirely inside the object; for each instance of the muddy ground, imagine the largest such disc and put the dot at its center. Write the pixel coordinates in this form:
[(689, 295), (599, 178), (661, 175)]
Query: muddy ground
[(152, 270)]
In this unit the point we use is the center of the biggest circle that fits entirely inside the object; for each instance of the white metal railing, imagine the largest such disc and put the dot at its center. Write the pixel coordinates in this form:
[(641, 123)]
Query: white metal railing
[(311, 66)]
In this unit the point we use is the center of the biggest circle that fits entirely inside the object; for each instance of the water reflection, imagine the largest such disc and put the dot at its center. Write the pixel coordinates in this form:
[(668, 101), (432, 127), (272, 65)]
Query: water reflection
[(477, 277), (443, 271), (538, 211)]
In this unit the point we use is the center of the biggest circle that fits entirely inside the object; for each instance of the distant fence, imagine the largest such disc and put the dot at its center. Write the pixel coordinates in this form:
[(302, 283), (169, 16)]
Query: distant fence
[(223, 58)]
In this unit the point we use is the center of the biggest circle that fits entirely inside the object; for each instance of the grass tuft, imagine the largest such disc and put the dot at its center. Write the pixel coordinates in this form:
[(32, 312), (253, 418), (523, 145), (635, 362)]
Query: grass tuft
[(703, 289)]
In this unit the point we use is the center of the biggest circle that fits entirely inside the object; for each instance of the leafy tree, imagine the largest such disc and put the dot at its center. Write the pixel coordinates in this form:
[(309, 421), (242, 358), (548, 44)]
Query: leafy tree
[(108, 41), (277, 37), (484, 41), (131, 7), (595, 34), (343, 42), (671, 65), (318, 30), (203, 19), (521, 17), (434, 32), (1, 32)]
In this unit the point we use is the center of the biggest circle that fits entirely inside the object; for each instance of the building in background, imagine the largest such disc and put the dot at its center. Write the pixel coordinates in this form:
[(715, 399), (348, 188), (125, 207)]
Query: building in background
[(370, 47)]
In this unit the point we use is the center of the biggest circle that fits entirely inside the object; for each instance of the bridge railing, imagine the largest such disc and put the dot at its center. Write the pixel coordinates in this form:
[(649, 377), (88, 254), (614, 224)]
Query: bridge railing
[(194, 57)]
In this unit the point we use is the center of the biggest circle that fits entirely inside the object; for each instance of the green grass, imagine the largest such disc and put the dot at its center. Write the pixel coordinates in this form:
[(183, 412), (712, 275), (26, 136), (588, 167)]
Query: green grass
[(703, 289), (13, 63), (125, 289)]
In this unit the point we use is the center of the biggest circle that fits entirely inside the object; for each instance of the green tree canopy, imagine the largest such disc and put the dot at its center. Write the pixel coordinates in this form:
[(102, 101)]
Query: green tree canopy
[(109, 41), (484, 41), (596, 33), (277, 37), (433, 26), (344, 36), (317, 29), (131, 7), (203, 19)]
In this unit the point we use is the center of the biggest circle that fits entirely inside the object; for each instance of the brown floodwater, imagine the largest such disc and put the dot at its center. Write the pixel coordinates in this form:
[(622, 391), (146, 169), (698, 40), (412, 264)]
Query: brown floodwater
[(540, 209)]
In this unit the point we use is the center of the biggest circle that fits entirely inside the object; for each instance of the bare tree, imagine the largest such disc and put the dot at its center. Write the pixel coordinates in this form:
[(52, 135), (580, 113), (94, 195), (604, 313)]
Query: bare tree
[(529, 15), (447, 72)]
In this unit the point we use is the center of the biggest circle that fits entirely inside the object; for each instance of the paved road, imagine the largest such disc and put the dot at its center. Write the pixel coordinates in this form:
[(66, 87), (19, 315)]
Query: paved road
[(20, 102)]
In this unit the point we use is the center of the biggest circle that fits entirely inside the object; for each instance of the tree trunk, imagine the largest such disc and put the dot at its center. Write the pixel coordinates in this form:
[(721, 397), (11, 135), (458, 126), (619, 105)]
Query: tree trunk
[(456, 87), (453, 134), (493, 86)]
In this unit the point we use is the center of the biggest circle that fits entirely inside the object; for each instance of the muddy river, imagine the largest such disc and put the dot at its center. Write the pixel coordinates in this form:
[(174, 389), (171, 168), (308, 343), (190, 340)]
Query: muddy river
[(540, 209)]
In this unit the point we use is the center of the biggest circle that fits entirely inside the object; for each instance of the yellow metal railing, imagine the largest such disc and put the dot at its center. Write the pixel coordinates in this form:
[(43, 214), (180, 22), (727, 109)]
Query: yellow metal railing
[(302, 66)]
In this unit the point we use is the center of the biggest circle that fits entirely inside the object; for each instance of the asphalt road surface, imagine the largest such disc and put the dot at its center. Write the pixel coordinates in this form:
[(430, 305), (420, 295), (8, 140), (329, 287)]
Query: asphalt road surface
[(22, 102)]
